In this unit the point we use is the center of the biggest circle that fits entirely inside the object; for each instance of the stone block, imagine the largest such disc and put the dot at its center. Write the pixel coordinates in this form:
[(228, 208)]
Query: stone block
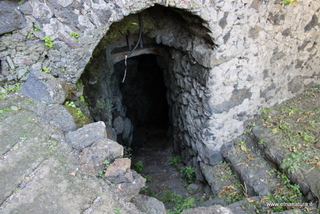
[(149, 204), (10, 18), (60, 117), (130, 189), (111, 133), (44, 87), (122, 164), (86, 135), (118, 124), (119, 171), (92, 158)]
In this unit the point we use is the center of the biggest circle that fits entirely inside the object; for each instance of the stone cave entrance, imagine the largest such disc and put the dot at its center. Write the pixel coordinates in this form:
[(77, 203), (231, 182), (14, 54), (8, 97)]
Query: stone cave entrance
[(161, 107)]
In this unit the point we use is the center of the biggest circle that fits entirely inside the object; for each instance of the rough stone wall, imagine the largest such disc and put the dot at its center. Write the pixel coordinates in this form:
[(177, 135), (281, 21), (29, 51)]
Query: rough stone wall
[(266, 52)]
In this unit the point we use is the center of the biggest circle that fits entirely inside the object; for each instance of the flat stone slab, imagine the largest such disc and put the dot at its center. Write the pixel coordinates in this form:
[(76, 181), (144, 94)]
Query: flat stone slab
[(39, 169)]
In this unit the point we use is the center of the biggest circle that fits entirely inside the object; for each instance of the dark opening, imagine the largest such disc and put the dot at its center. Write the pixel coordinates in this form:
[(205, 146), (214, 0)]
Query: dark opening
[(144, 97)]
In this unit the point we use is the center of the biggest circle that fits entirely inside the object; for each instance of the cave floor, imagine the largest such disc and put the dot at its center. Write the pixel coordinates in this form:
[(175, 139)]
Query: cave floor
[(154, 160)]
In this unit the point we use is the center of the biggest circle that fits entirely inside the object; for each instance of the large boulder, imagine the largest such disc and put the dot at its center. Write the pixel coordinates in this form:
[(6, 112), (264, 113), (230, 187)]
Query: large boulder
[(44, 87), (87, 135)]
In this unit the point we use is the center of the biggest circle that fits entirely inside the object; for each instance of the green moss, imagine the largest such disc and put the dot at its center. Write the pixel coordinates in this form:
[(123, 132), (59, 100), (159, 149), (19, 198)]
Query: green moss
[(79, 118)]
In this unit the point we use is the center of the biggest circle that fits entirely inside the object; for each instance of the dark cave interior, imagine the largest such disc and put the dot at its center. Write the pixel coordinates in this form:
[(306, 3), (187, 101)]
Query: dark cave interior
[(144, 96)]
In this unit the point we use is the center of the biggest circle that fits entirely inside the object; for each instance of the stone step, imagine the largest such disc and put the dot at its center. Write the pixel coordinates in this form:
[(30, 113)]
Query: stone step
[(255, 172), (306, 176)]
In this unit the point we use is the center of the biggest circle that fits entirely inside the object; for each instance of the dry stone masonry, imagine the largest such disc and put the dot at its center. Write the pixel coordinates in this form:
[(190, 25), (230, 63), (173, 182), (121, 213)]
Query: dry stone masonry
[(221, 61)]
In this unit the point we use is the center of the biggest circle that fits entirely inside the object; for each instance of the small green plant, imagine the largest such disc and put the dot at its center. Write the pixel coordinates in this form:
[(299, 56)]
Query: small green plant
[(289, 194), (82, 99), (176, 161), (80, 118), (22, 1), (52, 146), (45, 70), (48, 41), (287, 2), (275, 131), (4, 110), (30, 35), (116, 210), (106, 164), (75, 35), (139, 166), (292, 162), (261, 141), (189, 173), (36, 28), (251, 124), (24, 137), (283, 127), (101, 174), (179, 202), (265, 111), (99, 105), (14, 88), (70, 103), (127, 152), (147, 178), (306, 137)]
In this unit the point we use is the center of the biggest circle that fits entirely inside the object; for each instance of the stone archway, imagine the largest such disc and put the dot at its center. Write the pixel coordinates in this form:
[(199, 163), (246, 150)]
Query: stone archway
[(176, 42)]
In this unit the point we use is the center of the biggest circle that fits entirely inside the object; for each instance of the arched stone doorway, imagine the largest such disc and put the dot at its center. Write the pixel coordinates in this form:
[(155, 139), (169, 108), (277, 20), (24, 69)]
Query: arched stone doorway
[(177, 48)]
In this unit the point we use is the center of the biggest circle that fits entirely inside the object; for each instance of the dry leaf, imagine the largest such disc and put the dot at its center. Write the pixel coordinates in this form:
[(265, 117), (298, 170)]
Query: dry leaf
[(250, 158), (250, 200)]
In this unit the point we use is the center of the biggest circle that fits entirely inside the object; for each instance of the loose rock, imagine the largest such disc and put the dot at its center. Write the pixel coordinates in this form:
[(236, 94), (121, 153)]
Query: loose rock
[(92, 158), (86, 135)]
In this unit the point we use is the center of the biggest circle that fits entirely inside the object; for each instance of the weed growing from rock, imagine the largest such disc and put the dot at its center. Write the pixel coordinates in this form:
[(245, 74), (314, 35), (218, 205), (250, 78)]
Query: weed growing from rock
[(14, 88), (75, 35), (139, 166), (48, 41), (176, 161), (288, 2), (45, 70), (188, 173), (180, 203), (116, 210), (127, 152), (290, 194), (106, 164)]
